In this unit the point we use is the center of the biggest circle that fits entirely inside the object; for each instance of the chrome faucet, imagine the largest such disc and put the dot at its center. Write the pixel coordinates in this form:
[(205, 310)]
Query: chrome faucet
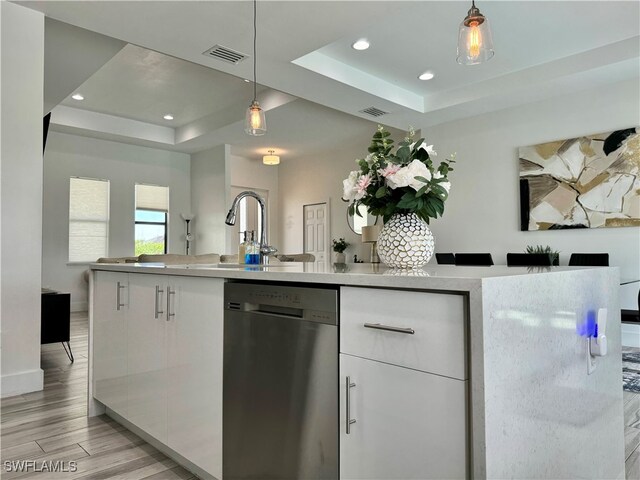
[(265, 249)]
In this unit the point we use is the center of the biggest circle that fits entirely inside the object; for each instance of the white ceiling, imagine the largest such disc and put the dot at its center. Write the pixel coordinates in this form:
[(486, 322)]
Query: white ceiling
[(543, 49), (144, 85)]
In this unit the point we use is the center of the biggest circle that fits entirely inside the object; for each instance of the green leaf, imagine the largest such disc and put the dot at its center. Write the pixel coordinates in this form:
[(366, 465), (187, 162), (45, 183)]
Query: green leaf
[(351, 210), (422, 190), (421, 179), (381, 192), (403, 153)]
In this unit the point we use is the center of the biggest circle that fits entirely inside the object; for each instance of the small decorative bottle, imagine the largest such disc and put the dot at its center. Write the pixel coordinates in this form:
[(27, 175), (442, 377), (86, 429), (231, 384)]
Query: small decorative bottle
[(242, 247)]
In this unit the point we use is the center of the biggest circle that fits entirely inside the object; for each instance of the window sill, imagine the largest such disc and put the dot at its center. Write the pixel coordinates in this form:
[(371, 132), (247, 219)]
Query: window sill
[(79, 264)]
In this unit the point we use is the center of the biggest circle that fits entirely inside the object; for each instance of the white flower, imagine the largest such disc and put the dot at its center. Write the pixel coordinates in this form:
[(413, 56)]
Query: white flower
[(428, 148), (445, 185), (349, 186), (405, 177)]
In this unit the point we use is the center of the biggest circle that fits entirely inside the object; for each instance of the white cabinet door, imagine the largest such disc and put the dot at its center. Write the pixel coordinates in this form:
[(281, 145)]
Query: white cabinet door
[(195, 348), (409, 424), (110, 308), (147, 355)]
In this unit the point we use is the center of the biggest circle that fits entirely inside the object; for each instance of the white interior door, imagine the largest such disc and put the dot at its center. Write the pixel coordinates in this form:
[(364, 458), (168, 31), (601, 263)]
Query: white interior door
[(316, 232)]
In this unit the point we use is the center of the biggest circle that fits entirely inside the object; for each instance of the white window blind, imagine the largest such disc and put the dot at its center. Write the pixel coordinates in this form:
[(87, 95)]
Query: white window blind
[(152, 197), (88, 219)]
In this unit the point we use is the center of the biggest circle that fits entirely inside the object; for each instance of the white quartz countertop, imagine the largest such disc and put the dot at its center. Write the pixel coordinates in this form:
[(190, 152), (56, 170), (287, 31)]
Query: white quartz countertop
[(436, 277)]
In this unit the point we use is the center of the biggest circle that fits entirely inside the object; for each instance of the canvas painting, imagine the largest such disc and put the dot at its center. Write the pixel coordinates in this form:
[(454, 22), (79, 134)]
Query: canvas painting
[(585, 182)]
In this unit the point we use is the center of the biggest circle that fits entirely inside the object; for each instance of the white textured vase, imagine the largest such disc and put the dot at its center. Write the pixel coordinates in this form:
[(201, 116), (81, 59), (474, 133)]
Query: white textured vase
[(405, 242)]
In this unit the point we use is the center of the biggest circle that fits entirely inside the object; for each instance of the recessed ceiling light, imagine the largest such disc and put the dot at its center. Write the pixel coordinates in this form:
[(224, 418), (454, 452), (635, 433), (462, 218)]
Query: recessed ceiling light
[(77, 96), (426, 76), (361, 44), (247, 80), (168, 116)]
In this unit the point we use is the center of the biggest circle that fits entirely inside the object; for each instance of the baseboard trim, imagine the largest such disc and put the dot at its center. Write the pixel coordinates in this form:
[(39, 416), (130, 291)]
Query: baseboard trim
[(79, 306), (23, 382)]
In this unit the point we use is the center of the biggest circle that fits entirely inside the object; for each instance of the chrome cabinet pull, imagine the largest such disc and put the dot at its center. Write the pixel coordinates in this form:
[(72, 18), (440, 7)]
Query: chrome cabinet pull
[(119, 305), (389, 328), (158, 312), (350, 421), (169, 294)]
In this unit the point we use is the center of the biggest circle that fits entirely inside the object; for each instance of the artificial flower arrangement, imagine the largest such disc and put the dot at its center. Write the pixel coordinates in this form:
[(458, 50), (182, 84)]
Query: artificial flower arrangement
[(403, 182), (339, 246)]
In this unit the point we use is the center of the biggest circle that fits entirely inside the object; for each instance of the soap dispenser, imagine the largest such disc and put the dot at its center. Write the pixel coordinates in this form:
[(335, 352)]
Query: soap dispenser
[(252, 252), (242, 247)]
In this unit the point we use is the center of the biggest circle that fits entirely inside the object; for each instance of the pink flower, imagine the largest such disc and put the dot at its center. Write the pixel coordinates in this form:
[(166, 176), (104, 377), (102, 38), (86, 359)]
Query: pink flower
[(361, 185), (390, 169)]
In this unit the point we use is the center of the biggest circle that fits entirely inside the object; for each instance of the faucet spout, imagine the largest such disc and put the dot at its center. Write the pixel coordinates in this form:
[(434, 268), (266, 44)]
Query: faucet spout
[(265, 249)]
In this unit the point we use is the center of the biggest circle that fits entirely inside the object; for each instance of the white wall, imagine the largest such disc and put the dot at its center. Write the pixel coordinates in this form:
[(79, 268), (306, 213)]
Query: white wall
[(252, 174), (210, 180), (124, 166), (21, 73), (316, 179), (482, 213)]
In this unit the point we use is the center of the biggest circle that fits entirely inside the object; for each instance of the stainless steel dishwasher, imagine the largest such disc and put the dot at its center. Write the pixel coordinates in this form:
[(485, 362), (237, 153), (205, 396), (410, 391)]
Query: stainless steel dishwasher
[(280, 409)]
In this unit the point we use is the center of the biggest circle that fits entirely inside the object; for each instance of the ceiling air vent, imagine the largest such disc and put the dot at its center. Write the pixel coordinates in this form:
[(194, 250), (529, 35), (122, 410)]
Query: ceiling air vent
[(225, 54), (374, 112)]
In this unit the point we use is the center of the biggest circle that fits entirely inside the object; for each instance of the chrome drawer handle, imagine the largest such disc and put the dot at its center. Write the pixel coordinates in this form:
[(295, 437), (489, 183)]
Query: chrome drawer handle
[(158, 312), (169, 294), (119, 305), (389, 328), (350, 421)]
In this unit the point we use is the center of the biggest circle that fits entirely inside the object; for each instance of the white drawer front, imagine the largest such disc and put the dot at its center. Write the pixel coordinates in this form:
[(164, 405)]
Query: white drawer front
[(437, 344)]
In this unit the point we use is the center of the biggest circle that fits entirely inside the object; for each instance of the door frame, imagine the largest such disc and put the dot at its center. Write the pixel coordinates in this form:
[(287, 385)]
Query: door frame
[(327, 230)]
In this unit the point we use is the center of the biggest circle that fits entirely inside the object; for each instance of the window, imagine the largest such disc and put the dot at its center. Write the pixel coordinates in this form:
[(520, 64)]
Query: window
[(88, 219), (152, 210)]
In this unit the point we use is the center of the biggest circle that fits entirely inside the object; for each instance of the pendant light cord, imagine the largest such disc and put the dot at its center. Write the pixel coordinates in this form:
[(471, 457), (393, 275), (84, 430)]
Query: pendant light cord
[(255, 34)]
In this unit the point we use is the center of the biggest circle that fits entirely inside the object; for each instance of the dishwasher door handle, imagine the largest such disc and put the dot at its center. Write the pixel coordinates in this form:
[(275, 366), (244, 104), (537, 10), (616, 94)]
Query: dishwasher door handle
[(389, 328)]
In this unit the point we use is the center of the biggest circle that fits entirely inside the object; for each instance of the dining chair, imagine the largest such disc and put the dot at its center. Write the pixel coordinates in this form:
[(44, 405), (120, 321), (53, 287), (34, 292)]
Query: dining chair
[(589, 260), (528, 260), (474, 259), (446, 258)]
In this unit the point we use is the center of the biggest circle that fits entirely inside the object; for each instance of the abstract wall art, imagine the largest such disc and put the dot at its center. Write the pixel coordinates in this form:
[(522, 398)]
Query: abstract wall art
[(586, 182)]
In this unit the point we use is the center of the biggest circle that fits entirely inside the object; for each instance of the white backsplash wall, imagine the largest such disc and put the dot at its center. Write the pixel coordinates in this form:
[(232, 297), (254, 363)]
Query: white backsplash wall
[(124, 166), (483, 210)]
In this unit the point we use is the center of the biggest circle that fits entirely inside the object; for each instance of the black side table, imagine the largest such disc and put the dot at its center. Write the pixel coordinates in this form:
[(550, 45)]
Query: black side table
[(55, 320)]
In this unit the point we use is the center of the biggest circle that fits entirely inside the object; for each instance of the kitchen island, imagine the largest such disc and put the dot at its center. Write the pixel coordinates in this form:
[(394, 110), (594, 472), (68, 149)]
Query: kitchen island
[(494, 380)]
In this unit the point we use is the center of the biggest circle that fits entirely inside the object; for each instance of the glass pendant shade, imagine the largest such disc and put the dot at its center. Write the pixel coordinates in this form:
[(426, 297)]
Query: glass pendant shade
[(255, 124), (475, 44), (271, 159)]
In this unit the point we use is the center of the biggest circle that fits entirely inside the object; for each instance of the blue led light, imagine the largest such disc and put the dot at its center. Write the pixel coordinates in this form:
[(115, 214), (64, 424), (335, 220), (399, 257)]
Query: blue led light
[(589, 328)]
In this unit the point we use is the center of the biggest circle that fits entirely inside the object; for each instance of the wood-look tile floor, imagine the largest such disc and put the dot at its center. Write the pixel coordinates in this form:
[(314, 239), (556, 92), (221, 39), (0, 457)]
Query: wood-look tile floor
[(52, 425)]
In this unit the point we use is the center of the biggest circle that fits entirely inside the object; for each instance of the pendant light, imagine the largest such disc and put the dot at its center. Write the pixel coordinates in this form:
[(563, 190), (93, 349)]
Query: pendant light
[(255, 124), (271, 159), (475, 44)]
